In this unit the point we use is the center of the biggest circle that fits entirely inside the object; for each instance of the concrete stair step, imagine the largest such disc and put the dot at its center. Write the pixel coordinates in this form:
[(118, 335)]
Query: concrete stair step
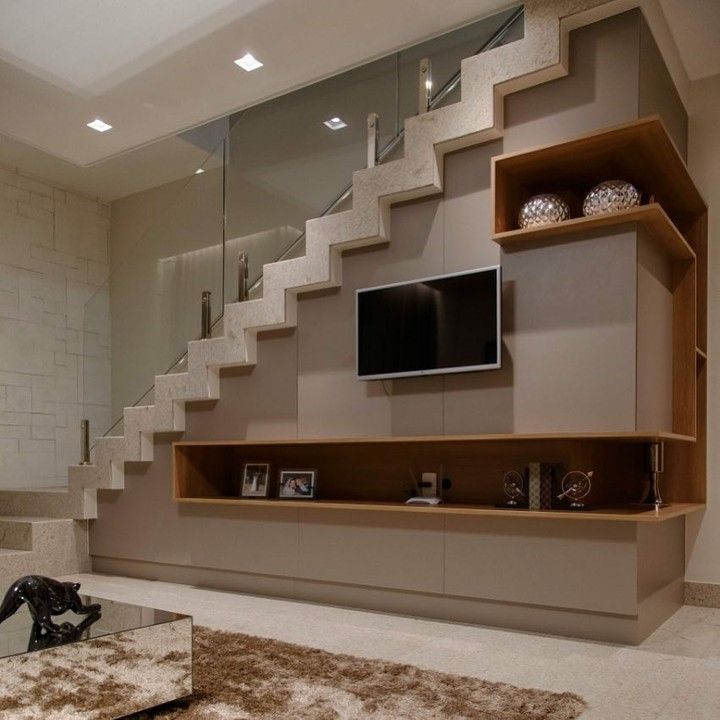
[(41, 545), (59, 503)]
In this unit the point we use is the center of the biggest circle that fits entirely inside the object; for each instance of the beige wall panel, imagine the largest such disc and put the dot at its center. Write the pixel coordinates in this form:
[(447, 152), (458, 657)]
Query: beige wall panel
[(397, 551), (584, 566), (571, 334), (468, 209), (601, 90), (331, 401), (255, 403), (654, 338), (661, 556), (479, 402), (657, 92), (598, 626), (242, 539), (199, 577)]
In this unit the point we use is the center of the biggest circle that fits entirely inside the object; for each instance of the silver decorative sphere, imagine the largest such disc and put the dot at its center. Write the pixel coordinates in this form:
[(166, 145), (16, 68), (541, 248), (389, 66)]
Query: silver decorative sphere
[(611, 196), (543, 209)]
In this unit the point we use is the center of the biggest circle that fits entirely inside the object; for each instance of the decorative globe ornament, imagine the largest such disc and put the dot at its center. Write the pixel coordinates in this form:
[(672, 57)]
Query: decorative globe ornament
[(544, 209), (611, 196), (575, 486), (513, 487)]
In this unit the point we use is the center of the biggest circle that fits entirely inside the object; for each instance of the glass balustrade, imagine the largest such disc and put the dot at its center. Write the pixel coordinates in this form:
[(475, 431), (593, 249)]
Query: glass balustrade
[(278, 164), (167, 247)]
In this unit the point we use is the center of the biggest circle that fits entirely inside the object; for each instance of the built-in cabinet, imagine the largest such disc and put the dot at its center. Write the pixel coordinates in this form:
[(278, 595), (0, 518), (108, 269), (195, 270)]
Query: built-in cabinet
[(379, 473)]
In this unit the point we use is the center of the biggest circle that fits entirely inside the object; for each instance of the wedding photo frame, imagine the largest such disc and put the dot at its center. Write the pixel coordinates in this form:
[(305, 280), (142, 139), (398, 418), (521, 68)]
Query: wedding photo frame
[(298, 484), (255, 480)]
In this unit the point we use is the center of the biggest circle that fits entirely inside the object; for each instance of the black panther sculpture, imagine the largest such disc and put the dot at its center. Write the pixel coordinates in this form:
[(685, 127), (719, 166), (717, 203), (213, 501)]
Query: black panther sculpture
[(46, 597)]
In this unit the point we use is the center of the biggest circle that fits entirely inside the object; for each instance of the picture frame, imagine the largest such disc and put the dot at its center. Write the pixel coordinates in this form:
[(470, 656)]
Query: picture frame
[(297, 484), (255, 480)]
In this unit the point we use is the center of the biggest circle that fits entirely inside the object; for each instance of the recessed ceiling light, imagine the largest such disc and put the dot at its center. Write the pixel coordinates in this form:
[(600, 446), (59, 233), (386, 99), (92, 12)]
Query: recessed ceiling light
[(335, 123), (199, 171), (99, 125), (248, 63)]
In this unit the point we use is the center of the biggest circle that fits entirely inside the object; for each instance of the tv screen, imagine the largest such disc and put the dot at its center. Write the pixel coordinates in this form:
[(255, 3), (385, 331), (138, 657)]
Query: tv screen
[(444, 324)]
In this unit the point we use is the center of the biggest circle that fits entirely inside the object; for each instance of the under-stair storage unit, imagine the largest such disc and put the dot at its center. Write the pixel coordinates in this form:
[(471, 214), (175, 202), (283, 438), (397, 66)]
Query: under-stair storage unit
[(671, 251)]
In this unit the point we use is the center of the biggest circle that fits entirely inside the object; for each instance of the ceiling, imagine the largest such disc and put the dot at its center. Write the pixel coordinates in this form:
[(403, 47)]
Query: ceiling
[(151, 69), (154, 69)]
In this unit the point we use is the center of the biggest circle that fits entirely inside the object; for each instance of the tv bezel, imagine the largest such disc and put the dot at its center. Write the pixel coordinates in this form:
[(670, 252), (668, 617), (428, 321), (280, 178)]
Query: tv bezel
[(437, 371)]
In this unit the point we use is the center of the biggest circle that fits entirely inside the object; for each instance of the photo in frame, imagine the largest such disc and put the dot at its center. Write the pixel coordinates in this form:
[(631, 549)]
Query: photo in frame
[(298, 484), (255, 480)]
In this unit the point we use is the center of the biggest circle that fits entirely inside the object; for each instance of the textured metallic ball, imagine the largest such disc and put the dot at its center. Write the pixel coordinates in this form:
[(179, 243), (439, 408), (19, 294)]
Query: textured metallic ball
[(611, 196), (543, 210)]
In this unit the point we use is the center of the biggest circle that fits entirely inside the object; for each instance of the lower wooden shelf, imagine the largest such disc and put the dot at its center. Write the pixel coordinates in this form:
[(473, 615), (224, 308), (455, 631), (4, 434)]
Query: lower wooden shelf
[(625, 513)]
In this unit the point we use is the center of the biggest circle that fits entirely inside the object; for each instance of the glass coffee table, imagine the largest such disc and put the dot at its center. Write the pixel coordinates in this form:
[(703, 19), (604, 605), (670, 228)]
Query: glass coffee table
[(130, 659)]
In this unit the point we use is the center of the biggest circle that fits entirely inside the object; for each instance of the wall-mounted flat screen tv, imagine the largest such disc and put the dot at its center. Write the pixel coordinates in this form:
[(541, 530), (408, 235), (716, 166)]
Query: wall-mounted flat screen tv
[(443, 324)]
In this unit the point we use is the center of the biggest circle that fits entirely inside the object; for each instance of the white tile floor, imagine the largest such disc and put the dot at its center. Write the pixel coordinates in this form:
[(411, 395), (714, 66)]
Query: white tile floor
[(674, 675)]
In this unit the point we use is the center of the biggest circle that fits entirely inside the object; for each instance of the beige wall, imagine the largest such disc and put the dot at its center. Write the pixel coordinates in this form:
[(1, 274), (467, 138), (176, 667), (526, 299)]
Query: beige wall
[(54, 367), (166, 249), (703, 539)]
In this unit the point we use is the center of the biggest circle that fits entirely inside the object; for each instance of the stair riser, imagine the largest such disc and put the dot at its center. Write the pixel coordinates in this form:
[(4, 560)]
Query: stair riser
[(16, 535)]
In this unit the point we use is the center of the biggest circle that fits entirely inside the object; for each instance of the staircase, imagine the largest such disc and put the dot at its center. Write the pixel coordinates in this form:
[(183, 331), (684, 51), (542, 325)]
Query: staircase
[(41, 533)]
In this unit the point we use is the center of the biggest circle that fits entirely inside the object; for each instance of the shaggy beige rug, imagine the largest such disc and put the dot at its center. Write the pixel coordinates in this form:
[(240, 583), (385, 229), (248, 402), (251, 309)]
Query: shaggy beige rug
[(240, 676)]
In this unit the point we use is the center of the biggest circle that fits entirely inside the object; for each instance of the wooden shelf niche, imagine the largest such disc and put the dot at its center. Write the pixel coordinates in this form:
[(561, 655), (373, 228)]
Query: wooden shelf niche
[(640, 152), (377, 474), (675, 222)]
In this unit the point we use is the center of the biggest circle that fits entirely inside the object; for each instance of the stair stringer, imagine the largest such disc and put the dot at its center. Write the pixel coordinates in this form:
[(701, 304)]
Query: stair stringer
[(540, 56)]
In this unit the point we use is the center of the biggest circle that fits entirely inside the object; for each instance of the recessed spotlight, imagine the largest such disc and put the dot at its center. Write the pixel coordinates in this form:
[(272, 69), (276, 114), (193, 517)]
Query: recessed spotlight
[(248, 63), (99, 125), (199, 171), (335, 123)]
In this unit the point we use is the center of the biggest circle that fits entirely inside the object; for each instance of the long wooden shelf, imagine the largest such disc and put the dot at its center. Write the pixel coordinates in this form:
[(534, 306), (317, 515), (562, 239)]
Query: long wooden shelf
[(628, 513), (652, 217), (629, 436)]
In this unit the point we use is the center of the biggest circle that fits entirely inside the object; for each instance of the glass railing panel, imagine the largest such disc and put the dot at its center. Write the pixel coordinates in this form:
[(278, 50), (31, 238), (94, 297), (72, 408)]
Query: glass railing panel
[(446, 53), (286, 166), (152, 299), (279, 166)]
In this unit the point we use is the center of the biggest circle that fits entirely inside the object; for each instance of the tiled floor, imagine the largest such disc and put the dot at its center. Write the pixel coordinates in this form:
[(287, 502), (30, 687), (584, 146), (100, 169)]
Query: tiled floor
[(674, 675)]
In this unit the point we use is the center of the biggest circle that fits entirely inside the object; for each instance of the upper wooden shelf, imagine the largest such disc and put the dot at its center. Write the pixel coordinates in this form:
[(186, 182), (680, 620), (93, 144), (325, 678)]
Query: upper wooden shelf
[(640, 152), (633, 437), (661, 230), (624, 513)]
